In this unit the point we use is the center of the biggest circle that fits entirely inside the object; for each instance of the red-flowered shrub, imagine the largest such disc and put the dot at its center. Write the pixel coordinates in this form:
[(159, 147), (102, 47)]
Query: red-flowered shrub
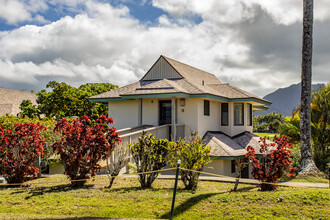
[(19, 148), (82, 146), (275, 160)]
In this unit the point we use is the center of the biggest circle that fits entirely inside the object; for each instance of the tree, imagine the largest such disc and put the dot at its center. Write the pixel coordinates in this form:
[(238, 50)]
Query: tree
[(275, 160), (66, 101), (194, 155), (320, 126), (307, 162), (149, 154), (28, 109), (19, 148), (118, 158), (83, 145), (269, 122)]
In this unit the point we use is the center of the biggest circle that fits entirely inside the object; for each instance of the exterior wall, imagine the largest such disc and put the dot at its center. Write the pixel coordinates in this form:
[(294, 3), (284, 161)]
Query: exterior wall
[(222, 167), (211, 122), (150, 112), (188, 115), (56, 169), (124, 113), (239, 129)]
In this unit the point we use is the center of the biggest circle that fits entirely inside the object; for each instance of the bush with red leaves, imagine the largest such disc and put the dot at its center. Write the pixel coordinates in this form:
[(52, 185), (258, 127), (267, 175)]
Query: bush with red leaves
[(82, 146), (274, 162), (19, 148)]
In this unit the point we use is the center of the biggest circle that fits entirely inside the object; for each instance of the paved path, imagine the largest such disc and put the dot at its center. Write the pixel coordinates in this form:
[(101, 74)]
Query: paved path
[(247, 181)]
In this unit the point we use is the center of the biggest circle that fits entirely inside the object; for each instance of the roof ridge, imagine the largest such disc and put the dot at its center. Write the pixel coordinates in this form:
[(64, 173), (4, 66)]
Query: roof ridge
[(167, 58)]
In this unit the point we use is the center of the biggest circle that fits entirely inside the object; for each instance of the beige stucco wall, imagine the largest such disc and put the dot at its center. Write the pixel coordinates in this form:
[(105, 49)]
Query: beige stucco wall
[(211, 122), (124, 113), (222, 167), (56, 169), (150, 112), (188, 115)]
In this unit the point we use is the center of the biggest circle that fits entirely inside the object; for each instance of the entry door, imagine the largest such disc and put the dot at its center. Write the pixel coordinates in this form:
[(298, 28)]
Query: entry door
[(165, 112)]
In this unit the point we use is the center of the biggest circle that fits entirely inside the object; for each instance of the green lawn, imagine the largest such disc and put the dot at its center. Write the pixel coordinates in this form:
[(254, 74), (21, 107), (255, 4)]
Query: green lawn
[(213, 200), (271, 135)]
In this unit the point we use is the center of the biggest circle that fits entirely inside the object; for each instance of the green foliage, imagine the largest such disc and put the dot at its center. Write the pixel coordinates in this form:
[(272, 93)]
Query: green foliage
[(269, 122), (194, 155), (320, 126), (149, 155), (65, 101), (28, 109), (8, 122)]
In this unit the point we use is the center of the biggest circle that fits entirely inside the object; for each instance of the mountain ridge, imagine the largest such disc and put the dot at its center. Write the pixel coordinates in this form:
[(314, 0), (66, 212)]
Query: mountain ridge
[(285, 100)]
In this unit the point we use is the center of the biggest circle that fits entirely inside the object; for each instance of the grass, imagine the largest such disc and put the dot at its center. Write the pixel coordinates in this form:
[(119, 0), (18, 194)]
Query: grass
[(304, 179), (126, 199), (269, 135)]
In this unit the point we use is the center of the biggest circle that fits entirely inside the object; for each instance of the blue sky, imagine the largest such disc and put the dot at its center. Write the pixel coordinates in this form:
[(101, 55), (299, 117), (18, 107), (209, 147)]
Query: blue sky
[(252, 44)]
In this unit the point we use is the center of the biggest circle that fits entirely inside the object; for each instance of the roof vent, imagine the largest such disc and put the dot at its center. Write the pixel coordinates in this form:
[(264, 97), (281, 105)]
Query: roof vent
[(203, 82)]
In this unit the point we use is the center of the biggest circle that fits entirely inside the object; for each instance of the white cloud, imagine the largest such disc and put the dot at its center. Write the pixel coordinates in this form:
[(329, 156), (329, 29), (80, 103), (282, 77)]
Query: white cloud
[(106, 44), (16, 11)]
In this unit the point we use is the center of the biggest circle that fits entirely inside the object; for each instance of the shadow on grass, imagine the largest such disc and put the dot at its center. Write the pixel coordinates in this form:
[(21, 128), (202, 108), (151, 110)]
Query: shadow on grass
[(37, 191), (130, 189), (245, 189), (188, 204), (78, 218)]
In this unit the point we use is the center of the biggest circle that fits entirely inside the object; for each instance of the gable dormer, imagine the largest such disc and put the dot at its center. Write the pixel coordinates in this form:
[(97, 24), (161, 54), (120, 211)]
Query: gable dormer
[(161, 70)]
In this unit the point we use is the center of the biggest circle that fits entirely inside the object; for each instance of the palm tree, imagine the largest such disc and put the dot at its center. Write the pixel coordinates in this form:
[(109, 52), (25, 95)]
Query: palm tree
[(307, 162)]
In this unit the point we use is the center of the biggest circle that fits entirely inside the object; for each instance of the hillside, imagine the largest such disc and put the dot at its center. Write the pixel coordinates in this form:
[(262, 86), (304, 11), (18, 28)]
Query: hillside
[(284, 100)]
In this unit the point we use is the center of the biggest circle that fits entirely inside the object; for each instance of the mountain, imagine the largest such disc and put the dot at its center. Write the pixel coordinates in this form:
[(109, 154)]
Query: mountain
[(285, 100)]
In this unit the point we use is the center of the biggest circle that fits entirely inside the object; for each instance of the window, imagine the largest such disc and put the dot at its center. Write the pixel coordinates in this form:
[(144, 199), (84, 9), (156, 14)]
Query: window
[(233, 166), (224, 114), (207, 107), (238, 114), (249, 115)]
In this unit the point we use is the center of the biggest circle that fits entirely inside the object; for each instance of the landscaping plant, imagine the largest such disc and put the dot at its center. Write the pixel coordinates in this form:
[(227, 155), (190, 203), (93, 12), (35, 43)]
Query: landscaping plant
[(82, 146), (194, 155), (19, 148), (119, 157), (149, 155), (275, 160)]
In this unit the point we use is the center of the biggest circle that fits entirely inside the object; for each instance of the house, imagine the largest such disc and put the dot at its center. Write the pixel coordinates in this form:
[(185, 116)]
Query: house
[(10, 100), (174, 99)]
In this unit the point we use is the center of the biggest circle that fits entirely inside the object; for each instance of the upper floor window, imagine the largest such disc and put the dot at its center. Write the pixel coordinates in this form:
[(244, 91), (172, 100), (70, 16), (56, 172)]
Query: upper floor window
[(249, 115), (207, 107), (224, 114), (238, 114)]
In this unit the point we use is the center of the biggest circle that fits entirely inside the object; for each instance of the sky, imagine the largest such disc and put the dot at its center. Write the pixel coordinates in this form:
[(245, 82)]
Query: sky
[(252, 44)]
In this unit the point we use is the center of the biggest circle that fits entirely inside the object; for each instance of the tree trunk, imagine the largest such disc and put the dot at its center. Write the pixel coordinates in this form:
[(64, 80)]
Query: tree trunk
[(307, 163)]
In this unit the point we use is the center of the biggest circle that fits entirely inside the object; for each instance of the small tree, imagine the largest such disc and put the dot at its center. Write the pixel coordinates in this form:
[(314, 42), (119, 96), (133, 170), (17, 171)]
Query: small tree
[(240, 166), (82, 146), (19, 148), (194, 155), (116, 161), (274, 162), (149, 155)]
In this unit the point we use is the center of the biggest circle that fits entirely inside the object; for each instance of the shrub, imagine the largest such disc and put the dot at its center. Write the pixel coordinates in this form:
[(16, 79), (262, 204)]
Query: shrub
[(82, 146), (9, 122), (19, 148), (149, 155), (116, 161), (194, 155), (273, 163)]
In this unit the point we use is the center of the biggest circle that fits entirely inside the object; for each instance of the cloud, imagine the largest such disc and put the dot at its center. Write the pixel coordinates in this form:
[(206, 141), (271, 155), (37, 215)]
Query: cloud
[(241, 42), (15, 11)]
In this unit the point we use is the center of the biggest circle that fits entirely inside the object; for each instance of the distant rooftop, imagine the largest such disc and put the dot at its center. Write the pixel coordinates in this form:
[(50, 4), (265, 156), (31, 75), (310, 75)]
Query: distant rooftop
[(10, 100)]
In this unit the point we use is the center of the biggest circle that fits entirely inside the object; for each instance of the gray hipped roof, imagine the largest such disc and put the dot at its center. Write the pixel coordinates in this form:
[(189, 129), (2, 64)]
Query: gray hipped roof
[(180, 78), (224, 146)]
